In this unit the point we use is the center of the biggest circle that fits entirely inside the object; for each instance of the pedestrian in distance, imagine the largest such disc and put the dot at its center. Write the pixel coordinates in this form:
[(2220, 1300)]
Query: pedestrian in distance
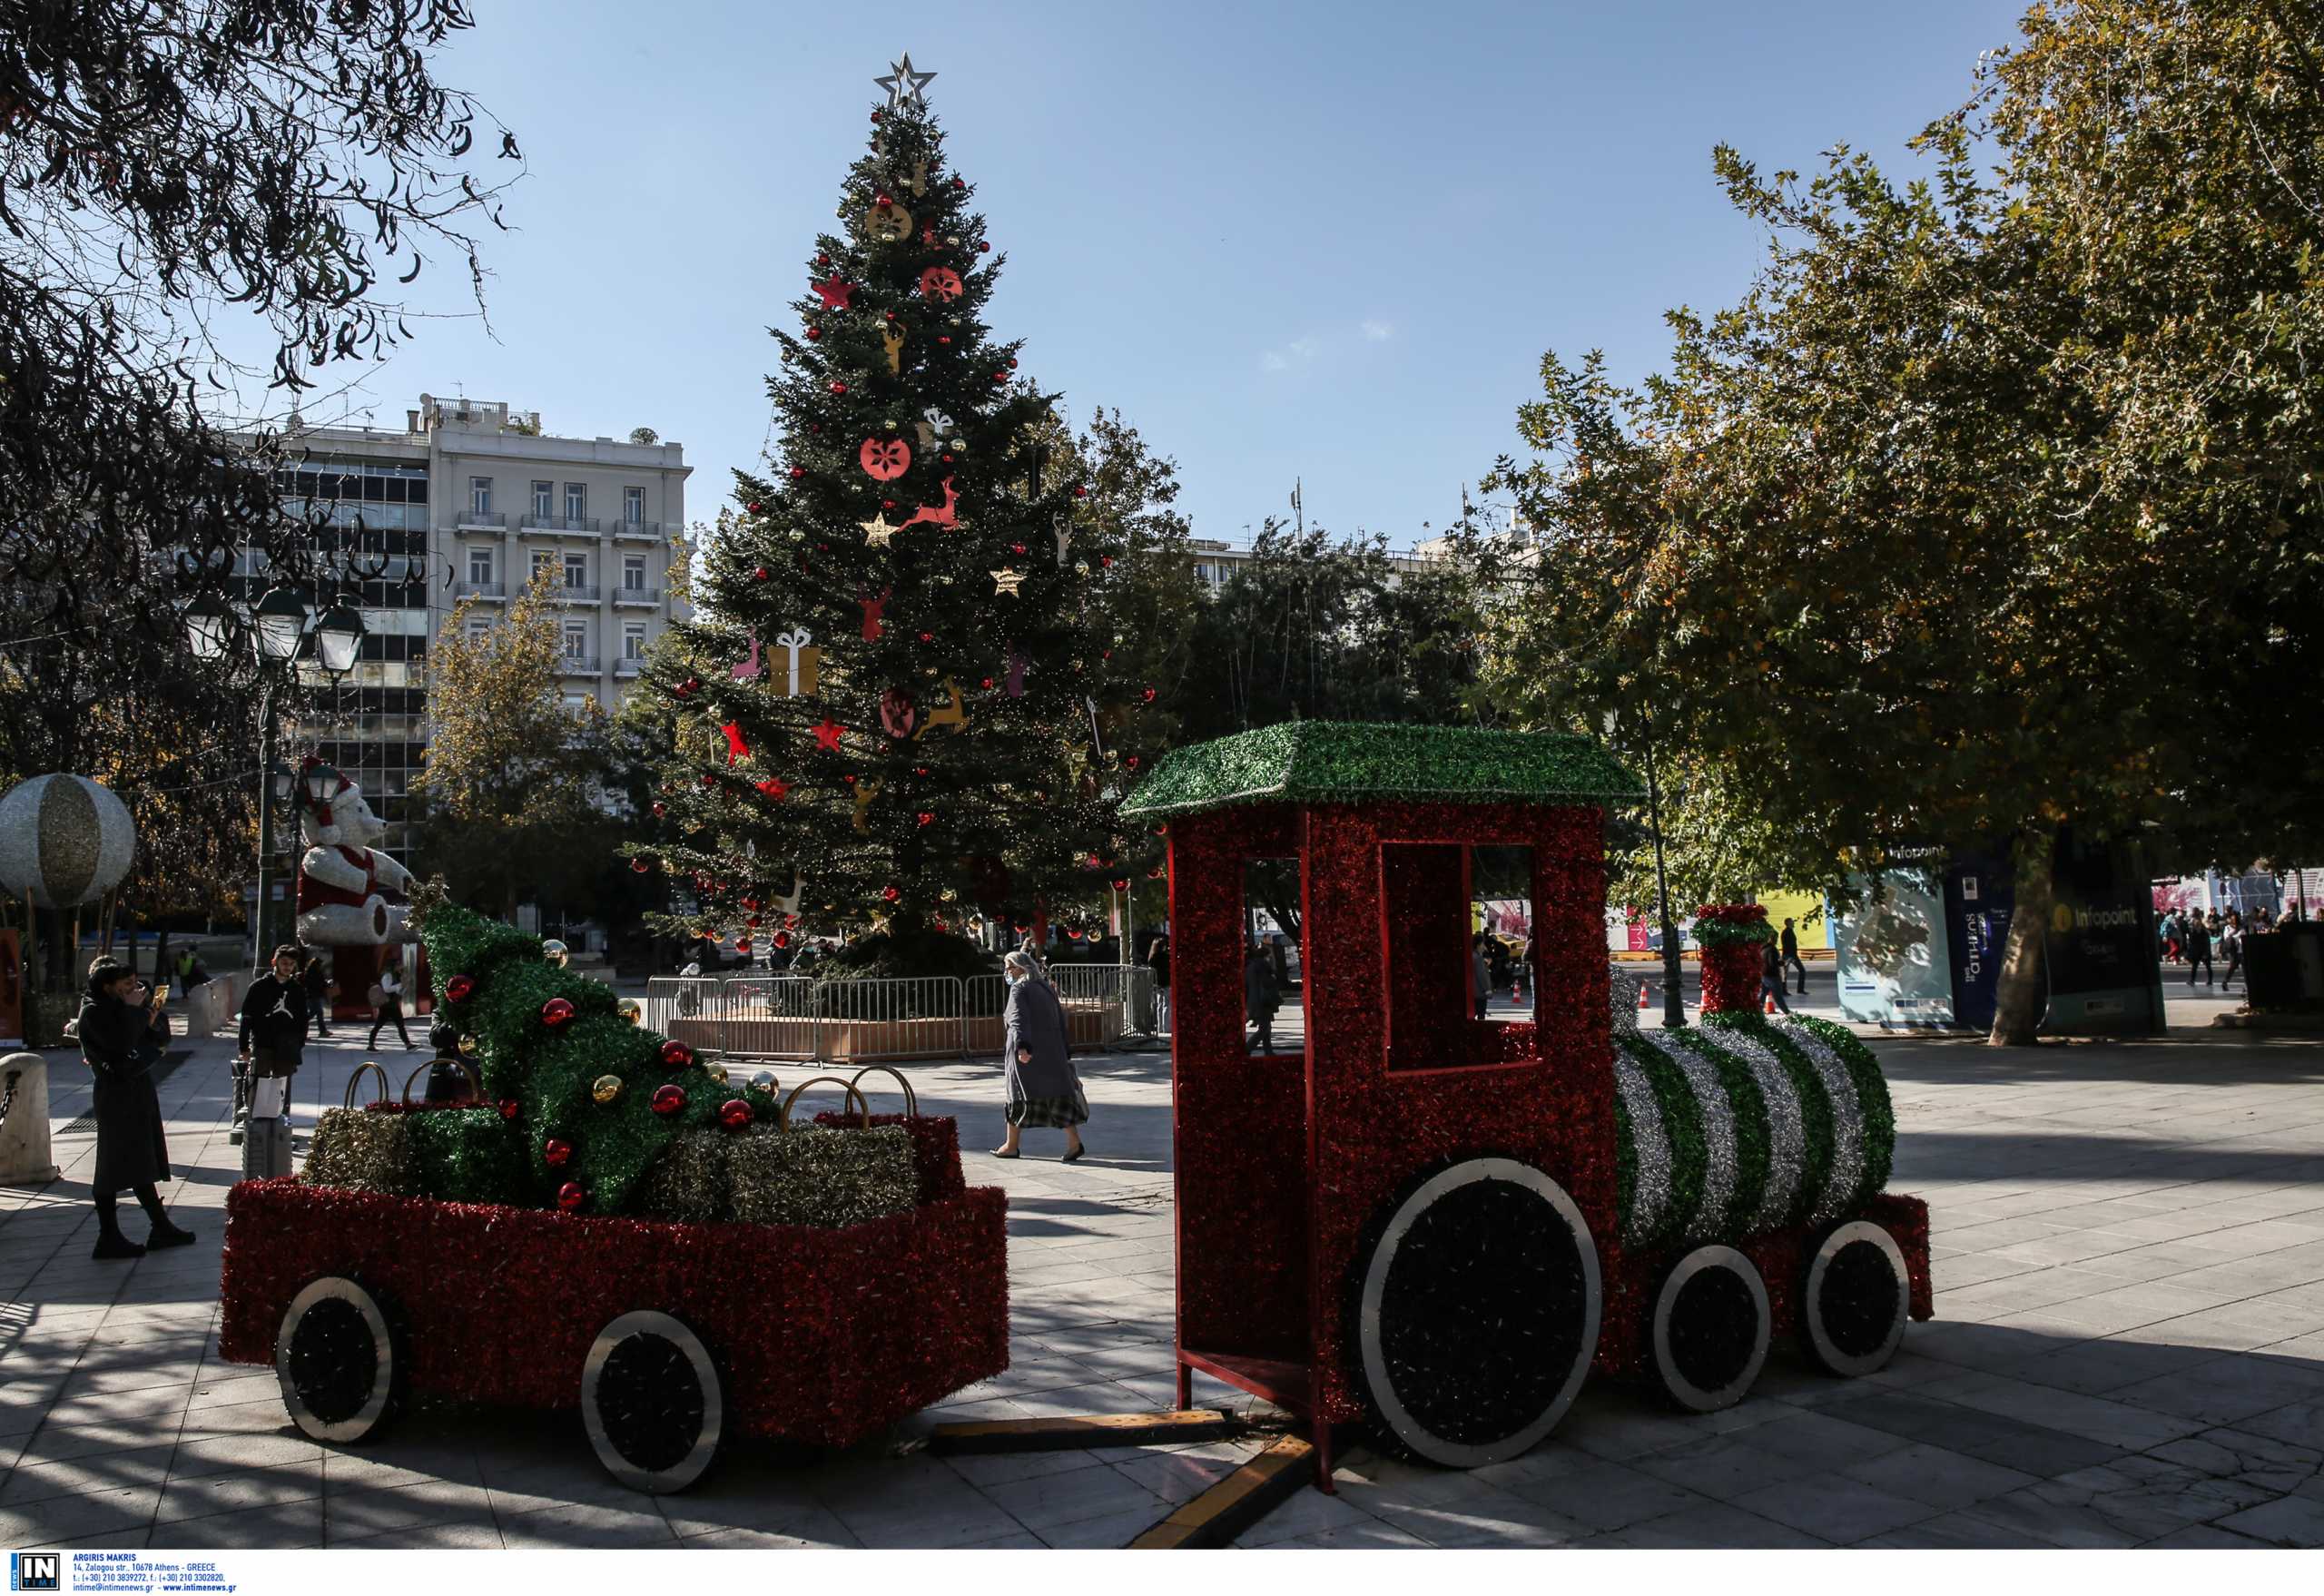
[(189, 972), (1791, 956), (1480, 973), (1771, 983), (1157, 959), (317, 981), (2198, 942), (391, 1008), (1037, 1061), (1261, 998), (2230, 942), (275, 1015), (122, 1032)]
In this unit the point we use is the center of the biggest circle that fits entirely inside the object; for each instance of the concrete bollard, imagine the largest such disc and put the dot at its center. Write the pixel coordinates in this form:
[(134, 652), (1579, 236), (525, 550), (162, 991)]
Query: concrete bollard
[(24, 1136)]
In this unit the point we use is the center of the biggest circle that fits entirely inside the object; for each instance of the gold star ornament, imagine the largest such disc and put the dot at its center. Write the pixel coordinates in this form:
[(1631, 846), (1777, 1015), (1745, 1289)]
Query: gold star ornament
[(1005, 581), (876, 531)]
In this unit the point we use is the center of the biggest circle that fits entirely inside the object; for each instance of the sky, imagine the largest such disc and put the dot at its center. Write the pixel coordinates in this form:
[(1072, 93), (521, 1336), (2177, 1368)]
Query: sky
[(1298, 242)]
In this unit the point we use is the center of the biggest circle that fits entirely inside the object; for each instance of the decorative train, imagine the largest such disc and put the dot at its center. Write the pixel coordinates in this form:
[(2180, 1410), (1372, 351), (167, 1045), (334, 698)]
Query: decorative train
[(1440, 1223)]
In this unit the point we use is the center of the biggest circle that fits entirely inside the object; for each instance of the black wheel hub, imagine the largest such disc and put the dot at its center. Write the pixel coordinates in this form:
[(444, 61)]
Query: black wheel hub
[(334, 1360), (1714, 1329), (1483, 1312), (650, 1401), (1861, 1299)]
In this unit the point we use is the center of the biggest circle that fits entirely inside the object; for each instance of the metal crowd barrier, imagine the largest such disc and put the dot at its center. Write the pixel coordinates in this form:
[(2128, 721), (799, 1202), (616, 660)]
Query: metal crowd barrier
[(799, 1017)]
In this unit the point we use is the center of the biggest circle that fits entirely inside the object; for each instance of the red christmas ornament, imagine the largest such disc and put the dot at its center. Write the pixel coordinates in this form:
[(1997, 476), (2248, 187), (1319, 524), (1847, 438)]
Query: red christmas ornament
[(1012, 365), (889, 893), (1000, 376), (753, 508), (881, 200), (750, 905), (943, 338), (1121, 883), (928, 636), (1131, 762), (459, 989), (735, 1114), (708, 780), (783, 939), (838, 388), (742, 945), (813, 334), (689, 687), (1015, 548), (884, 459), (752, 922), (988, 683), (669, 1099), (555, 1152), (983, 248), (927, 819), (660, 809), (640, 866), (941, 283), (556, 1013), (677, 1055), (571, 1195), (1149, 695), (797, 472), (510, 1108), (1078, 491), (959, 184), (775, 787), (834, 293), (823, 260)]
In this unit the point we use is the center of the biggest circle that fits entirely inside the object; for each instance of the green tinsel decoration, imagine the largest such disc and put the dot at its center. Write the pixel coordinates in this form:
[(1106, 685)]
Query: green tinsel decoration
[(1872, 1096), (822, 1177), (1751, 1138), (1682, 1122), (1815, 1104)]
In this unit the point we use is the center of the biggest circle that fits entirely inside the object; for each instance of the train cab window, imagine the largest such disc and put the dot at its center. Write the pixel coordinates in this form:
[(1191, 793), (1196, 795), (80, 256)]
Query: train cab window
[(1456, 944), (1274, 992)]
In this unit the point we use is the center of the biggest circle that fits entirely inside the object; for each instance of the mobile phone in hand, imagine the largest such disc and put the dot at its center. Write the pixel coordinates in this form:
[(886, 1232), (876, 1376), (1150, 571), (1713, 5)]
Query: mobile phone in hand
[(161, 994)]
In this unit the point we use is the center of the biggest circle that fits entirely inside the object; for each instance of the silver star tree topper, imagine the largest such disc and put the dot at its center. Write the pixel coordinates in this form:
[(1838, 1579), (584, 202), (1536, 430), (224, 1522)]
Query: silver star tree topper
[(904, 86)]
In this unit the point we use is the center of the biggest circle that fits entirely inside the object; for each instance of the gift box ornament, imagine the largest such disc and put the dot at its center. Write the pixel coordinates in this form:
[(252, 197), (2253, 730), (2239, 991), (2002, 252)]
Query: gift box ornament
[(689, 1182), (816, 1175), (359, 1151), (799, 664)]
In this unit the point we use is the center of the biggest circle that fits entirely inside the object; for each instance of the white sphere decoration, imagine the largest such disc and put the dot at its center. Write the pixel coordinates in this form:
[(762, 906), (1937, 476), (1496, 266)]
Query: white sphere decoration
[(63, 841)]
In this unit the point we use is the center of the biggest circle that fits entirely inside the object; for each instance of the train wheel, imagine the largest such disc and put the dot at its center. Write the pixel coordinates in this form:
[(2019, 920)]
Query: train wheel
[(1851, 1309), (1711, 1330), (335, 1357), (650, 1399), (1477, 1314)]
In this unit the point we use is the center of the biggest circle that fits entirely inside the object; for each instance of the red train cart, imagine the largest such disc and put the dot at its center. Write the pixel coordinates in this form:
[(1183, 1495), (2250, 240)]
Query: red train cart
[(1439, 1223), (670, 1337)]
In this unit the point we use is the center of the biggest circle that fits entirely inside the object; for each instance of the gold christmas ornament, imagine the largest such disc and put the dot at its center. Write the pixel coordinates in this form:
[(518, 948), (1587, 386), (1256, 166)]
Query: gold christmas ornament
[(605, 1087), (556, 953), (468, 1047), (631, 1010), (890, 223)]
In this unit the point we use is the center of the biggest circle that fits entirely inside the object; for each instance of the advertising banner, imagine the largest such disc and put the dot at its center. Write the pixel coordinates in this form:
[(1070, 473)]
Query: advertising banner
[(1979, 894), (2105, 976), (1895, 956)]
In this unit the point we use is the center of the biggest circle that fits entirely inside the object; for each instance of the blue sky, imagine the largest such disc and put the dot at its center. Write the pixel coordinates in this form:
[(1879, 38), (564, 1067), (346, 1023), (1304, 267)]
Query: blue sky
[(1315, 242)]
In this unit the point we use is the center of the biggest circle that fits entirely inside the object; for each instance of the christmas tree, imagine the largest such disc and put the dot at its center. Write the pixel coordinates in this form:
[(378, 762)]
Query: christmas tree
[(895, 709)]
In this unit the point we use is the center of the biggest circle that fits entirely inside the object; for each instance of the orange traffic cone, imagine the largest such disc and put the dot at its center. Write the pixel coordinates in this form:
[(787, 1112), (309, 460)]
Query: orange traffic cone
[(1642, 1003), (1769, 1005)]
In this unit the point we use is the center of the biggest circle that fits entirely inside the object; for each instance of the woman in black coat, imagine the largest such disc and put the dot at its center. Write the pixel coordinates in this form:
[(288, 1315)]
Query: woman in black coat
[(121, 1035)]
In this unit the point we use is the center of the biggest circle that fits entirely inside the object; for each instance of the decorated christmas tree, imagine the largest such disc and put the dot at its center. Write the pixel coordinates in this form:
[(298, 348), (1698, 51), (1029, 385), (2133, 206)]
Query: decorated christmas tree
[(897, 710)]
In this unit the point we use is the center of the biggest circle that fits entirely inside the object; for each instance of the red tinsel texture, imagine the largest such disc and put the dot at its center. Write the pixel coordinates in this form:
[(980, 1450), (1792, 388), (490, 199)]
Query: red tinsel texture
[(823, 1336), (1279, 1181), (1731, 977)]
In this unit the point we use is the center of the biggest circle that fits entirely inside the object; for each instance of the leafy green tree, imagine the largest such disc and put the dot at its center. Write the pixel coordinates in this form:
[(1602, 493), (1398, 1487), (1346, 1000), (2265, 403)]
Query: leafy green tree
[(1979, 513)]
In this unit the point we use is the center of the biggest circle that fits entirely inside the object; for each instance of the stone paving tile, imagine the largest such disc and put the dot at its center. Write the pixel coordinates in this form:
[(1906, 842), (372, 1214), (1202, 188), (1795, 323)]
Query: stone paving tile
[(2290, 1521), (1606, 1496), (1942, 1479), (1833, 1507), (1720, 1528), (1723, 1467)]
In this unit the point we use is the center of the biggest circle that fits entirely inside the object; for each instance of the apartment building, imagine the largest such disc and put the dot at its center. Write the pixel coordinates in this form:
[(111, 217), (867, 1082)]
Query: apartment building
[(467, 500)]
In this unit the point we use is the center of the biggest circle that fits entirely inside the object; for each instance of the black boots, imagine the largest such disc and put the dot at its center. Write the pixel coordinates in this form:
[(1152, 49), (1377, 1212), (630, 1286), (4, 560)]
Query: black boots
[(168, 1235), (112, 1243)]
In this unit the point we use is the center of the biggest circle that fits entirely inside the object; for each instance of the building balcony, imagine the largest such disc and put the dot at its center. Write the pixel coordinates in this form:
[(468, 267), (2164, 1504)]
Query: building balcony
[(482, 520), (627, 669), (637, 598), (562, 526), (644, 531), (574, 593), (577, 665), (490, 592)]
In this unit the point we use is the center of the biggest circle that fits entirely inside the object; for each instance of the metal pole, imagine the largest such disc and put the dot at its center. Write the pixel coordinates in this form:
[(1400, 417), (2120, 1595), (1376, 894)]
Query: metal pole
[(265, 816), (1674, 1002)]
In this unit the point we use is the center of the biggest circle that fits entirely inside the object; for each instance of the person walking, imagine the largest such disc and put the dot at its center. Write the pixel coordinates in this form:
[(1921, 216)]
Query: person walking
[(2230, 942), (317, 979), (1480, 974), (1791, 956), (2197, 940), (122, 1031), (275, 1021), (1037, 1060), (390, 1007), (1261, 998), (1157, 959), (1771, 982)]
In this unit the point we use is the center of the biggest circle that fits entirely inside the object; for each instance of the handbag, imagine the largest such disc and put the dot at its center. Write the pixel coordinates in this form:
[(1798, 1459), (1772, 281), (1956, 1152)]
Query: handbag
[(378, 996)]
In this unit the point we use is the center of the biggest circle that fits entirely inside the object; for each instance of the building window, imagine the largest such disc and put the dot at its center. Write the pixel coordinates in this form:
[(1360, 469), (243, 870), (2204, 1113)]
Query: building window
[(633, 573), (480, 495), (632, 640), (477, 629), (576, 501), (544, 499), (577, 640), (632, 506), (481, 564), (542, 561), (576, 570)]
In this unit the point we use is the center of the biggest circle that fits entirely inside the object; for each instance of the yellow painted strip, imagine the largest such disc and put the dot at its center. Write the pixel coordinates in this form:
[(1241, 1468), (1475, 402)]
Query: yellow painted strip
[(1235, 1503), (1082, 1430)]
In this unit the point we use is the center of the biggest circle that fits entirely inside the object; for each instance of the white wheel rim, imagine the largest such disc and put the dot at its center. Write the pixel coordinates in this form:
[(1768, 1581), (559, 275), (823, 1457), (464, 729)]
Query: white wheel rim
[(336, 1288), (1452, 1453), (1811, 1314), (1685, 1392), (687, 1469)]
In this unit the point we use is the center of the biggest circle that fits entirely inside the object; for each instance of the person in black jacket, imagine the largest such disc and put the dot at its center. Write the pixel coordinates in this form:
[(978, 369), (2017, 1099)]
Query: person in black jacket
[(317, 979), (122, 1033), (1261, 998), (274, 1018), (1157, 959), (1771, 984)]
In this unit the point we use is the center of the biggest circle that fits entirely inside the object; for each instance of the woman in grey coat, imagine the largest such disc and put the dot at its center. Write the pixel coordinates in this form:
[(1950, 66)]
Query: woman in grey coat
[(1044, 1092)]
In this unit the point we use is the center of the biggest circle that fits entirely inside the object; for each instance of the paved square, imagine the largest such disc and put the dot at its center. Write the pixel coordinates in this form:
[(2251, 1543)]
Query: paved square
[(2129, 1249)]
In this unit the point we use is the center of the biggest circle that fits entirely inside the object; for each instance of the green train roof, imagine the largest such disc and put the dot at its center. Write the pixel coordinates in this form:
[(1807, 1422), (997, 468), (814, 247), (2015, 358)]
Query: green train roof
[(1328, 762)]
